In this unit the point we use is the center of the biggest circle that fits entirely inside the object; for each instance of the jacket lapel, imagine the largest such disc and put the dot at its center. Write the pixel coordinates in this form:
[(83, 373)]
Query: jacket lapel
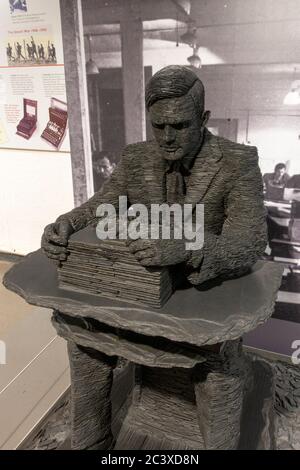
[(206, 166)]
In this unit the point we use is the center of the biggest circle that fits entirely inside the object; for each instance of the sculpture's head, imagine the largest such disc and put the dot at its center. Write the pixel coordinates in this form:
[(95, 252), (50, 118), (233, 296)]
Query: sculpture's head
[(175, 101)]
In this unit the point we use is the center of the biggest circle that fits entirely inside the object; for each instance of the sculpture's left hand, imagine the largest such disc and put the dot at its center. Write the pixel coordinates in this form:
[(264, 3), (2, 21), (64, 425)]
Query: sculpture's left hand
[(158, 252)]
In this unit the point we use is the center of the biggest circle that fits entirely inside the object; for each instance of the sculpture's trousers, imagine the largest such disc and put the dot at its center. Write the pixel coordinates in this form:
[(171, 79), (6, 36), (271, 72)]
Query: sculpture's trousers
[(91, 383), (219, 392)]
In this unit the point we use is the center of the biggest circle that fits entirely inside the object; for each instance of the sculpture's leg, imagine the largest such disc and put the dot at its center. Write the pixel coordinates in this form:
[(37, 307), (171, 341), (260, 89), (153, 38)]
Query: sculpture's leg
[(219, 390), (91, 382)]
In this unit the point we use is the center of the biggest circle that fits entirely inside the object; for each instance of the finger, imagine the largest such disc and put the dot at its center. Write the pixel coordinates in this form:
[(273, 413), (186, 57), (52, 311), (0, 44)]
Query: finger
[(138, 245), (51, 235), (48, 232), (139, 255), (54, 249), (64, 230), (60, 234), (56, 262), (129, 241), (148, 262), (58, 257)]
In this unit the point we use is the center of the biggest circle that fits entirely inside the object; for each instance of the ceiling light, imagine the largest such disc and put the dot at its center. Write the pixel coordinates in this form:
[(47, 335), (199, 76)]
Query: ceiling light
[(194, 59), (91, 66)]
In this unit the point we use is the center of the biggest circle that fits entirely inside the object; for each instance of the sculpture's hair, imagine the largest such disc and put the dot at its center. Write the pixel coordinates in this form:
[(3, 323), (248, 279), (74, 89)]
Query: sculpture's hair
[(175, 81)]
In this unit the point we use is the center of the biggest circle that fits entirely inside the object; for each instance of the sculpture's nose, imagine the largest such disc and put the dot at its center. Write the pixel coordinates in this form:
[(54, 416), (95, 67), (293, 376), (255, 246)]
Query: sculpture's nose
[(169, 134)]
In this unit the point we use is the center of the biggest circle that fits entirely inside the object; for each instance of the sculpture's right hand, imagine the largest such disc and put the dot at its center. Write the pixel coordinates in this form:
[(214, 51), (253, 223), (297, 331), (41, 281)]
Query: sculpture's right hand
[(55, 240)]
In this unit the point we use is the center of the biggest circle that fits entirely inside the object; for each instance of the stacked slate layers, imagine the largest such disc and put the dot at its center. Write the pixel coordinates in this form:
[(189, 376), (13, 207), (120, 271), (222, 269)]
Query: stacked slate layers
[(107, 268)]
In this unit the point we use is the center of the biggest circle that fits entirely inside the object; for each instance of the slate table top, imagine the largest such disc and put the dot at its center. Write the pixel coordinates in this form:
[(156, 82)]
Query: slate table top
[(197, 317)]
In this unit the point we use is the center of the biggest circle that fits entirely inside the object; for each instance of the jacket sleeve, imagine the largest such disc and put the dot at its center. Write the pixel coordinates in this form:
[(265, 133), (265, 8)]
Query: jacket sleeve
[(244, 234), (116, 186)]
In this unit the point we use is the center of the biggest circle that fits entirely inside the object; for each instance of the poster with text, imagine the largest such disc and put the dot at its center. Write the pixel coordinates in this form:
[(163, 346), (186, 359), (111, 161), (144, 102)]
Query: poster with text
[(33, 105)]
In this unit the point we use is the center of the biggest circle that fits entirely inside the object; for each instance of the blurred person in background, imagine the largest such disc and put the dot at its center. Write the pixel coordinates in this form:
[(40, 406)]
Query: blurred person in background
[(274, 183), (102, 168)]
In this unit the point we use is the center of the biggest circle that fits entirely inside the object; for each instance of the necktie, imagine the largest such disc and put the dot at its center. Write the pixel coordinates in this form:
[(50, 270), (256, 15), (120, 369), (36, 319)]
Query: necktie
[(176, 185)]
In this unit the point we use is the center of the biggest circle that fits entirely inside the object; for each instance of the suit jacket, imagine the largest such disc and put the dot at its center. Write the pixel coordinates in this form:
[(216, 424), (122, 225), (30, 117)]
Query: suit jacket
[(225, 178)]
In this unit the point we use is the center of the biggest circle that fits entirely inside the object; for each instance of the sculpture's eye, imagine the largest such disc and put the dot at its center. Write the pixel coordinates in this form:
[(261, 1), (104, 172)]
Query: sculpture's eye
[(156, 125), (181, 125)]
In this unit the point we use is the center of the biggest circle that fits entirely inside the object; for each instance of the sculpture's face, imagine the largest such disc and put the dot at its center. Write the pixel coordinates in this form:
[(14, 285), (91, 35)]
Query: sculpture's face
[(176, 126)]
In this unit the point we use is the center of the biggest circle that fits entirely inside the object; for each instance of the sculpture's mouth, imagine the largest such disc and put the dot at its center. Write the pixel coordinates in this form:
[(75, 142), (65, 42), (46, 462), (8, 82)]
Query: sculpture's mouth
[(169, 149)]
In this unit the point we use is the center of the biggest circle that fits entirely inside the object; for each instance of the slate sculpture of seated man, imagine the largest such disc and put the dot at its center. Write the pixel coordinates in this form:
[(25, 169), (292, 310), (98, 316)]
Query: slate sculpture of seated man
[(185, 163)]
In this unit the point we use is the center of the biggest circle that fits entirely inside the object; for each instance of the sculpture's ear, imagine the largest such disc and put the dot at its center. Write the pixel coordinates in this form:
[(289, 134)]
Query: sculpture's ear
[(205, 118)]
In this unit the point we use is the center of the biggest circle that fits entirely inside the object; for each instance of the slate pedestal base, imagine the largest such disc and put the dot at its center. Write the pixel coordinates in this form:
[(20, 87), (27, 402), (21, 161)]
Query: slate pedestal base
[(224, 401)]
